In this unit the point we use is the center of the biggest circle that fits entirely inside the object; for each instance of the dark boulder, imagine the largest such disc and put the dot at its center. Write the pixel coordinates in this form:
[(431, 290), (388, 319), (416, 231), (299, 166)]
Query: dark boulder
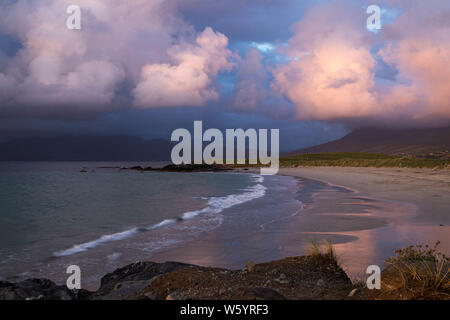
[(39, 289), (133, 278)]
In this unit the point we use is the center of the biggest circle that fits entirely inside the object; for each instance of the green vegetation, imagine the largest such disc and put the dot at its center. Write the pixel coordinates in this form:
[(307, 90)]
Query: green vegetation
[(356, 159), (323, 253), (417, 272)]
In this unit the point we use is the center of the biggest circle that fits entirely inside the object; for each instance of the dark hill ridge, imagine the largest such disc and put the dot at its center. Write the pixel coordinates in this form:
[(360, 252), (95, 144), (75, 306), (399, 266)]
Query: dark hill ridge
[(85, 148), (126, 148), (387, 141)]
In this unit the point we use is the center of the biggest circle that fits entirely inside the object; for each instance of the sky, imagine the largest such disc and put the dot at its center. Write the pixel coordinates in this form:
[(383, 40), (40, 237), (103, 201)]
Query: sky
[(146, 67)]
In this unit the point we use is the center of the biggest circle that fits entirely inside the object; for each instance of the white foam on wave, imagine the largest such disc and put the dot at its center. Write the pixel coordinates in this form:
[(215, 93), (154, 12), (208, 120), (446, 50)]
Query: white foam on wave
[(91, 244), (215, 206), (218, 204), (258, 178), (162, 224)]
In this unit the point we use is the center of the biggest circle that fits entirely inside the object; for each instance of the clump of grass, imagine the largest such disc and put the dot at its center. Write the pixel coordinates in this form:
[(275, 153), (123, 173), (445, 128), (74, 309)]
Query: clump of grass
[(323, 252), (417, 272), (314, 249)]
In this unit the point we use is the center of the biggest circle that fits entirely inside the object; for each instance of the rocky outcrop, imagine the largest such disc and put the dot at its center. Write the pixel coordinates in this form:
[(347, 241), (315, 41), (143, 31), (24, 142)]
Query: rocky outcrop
[(182, 168), (290, 278), (194, 168), (123, 283), (139, 168), (39, 289)]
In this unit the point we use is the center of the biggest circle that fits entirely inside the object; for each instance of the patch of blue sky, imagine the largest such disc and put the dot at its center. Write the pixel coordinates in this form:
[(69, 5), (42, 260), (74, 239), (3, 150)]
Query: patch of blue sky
[(9, 46), (270, 51), (389, 15), (227, 82), (263, 47)]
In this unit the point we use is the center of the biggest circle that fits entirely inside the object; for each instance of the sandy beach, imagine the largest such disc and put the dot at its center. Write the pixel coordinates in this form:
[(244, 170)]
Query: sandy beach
[(366, 213), (428, 189), (406, 206)]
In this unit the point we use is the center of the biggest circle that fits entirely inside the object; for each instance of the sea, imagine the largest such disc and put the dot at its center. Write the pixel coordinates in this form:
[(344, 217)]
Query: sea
[(99, 217)]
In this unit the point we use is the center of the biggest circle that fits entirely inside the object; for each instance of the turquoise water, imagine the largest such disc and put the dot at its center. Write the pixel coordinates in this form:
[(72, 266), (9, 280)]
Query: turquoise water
[(52, 215), (43, 205)]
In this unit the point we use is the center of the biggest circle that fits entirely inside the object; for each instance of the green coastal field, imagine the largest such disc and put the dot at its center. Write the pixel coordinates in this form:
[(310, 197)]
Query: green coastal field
[(356, 159)]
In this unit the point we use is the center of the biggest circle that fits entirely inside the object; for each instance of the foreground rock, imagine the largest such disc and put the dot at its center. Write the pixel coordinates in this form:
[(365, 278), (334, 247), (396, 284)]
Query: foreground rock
[(290, 278), (123, 283), (39, 289)]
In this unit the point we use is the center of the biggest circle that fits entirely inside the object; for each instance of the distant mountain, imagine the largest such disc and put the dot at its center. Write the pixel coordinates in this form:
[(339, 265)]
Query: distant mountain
[(387, 141), (85, 148)]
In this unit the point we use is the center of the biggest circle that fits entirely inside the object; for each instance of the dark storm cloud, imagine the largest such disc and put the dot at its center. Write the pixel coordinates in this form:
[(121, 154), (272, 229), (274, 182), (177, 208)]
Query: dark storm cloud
[(246, 20), (159, 123), (146, 67)]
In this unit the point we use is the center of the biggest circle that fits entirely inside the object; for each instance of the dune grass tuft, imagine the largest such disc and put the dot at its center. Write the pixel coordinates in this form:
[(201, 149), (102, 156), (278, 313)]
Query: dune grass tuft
[(417, 272), (323, 252)]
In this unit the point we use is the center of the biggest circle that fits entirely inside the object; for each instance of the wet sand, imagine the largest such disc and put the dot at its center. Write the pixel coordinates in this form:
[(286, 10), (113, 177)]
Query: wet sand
[(366, 213), (414, 203), (428, 189)]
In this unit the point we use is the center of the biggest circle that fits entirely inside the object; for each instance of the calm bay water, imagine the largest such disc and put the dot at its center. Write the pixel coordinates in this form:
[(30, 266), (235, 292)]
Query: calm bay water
[(52, 215)]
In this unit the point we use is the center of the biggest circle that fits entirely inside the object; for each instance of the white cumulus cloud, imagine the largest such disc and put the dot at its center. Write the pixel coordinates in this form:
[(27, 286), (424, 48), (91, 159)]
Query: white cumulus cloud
[(141, 44)]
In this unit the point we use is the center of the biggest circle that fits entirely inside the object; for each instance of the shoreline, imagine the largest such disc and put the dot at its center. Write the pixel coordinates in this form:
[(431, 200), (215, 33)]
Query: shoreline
[(411, 194), (398, 204), (105, 251), (425, 188), (347, 225), (362, 228)]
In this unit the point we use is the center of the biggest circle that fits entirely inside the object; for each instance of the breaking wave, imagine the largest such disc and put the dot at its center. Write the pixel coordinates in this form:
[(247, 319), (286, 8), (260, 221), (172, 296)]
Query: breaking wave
[(215, 206)]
